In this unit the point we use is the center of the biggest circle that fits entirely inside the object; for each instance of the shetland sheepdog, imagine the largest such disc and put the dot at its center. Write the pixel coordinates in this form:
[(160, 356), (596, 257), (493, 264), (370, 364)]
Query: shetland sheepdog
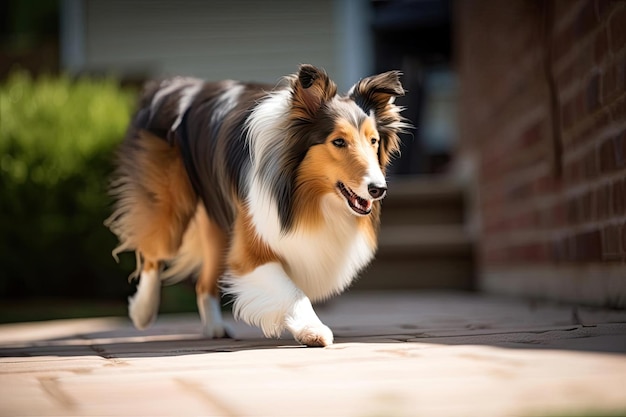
[(273, 190)]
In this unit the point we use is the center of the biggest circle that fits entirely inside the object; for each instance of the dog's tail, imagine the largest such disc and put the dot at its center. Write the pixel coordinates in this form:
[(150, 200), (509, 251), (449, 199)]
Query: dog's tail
[(188, 261)]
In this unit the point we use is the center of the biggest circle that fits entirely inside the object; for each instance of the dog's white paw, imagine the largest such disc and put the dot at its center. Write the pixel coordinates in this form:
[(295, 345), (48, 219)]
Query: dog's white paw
[(315, 336), (141, 313), (216, 330), (143, 307), (213, 325)]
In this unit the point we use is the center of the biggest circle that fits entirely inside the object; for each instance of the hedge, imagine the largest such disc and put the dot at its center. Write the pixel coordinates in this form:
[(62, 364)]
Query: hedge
[(57, 139)]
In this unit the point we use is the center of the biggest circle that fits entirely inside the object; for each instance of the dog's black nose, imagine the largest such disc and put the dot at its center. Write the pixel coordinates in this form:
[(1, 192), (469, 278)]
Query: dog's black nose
[(376, 191)]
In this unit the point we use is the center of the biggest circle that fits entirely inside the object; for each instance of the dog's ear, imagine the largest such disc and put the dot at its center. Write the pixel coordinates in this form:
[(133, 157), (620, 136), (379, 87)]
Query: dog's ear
[(377, 92), (311, 88), (376, 96)]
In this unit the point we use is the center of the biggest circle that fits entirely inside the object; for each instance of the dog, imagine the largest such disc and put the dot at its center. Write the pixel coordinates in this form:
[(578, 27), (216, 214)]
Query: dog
[(274, 190)]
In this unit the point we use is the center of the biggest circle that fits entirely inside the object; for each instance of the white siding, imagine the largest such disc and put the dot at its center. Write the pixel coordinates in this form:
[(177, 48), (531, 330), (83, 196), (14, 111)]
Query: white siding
[(212, 39)]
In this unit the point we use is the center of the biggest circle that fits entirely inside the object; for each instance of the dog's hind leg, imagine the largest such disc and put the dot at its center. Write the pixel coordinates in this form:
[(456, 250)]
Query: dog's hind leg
[(155, 202), (213, 242), (144, 305)]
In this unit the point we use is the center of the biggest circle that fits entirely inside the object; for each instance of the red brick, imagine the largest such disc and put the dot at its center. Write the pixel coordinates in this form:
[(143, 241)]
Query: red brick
[(593, 93), (573, 110), (574, 211), (546, 184), (573, 172), (580, 109), (562, 42), (534, 252), (618, 110), (619, 197), (609, 191), (567, 114), (496, 225), (621, 72), (588, 246), (611, 245), (494, 256), (586, 19), (584, 57), (591, 168), (607, 156), (619, 143), (518, 192), (601, 46), (562, 8), (587, 206), (571, 254), (617, 27), (603, 201), (562, 249), (559, 217), (601, 120), (609, 82), (624, 237), (559, 250), (538, 253), (594, 204), (544, 218), (613, 81), (532, 135), (604, 7), (621, 147), (565, 78)]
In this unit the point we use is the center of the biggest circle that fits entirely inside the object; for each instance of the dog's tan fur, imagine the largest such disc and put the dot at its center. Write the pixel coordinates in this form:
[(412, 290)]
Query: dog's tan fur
[(155, 200)]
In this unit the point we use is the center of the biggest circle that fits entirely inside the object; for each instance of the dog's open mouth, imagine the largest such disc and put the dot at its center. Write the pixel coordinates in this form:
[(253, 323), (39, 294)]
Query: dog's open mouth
[(357, 204)]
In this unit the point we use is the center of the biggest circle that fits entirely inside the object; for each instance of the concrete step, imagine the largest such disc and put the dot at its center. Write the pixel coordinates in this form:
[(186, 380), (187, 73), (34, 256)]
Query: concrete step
[(422, 242), (423, 200), (421, 257)]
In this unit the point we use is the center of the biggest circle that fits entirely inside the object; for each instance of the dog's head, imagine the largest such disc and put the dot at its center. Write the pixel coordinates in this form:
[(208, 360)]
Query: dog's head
[(349, 139)]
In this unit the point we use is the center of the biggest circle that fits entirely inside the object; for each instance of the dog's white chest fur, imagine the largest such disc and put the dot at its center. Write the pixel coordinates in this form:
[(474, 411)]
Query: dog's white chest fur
[(322, 262)]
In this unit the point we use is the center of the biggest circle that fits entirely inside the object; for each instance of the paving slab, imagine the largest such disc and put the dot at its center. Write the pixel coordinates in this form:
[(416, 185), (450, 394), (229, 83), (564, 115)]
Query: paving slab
[(396, 354)]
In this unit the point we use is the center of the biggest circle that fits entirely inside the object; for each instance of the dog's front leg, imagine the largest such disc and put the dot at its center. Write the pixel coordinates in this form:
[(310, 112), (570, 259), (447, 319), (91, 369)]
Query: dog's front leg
[(266, 297)]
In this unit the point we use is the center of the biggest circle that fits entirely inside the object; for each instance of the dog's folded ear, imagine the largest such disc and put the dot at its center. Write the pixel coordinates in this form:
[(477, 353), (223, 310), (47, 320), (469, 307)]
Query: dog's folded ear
[(377, 91), (311, 88), (375, 96)]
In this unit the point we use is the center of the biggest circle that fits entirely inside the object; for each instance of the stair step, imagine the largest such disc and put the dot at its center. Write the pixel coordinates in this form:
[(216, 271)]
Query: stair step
[(417, 273), (422, 189), (423, 240), (423, 201), (421, 257)]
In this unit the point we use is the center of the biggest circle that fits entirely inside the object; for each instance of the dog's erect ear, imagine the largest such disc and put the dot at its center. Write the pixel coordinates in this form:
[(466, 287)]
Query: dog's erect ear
[(375, 95), (311, 89), (377, 91)]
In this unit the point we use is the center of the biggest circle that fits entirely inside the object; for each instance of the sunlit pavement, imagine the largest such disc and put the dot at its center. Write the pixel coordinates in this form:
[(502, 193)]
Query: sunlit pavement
[(396, 354)]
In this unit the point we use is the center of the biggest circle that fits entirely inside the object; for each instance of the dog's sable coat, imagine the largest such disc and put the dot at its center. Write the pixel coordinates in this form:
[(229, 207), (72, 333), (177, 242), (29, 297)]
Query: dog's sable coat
[(275, 190)]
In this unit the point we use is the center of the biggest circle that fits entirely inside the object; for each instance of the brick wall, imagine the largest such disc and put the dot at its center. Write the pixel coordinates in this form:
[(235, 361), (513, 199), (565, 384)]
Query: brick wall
[(543, 115)]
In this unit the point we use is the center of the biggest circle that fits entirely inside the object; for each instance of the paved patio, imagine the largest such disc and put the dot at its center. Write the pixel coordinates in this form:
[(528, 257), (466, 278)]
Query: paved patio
[(396, 354)]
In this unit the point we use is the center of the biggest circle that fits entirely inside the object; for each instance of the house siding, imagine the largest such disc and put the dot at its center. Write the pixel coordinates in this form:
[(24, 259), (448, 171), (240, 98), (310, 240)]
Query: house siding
[(247, 40)]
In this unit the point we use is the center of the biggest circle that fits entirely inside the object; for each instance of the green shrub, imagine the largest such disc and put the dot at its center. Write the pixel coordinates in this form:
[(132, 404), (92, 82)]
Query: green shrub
[(57, 139)]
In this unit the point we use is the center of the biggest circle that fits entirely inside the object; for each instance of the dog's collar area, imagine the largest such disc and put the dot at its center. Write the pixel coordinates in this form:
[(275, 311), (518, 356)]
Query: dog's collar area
[(357, 204)]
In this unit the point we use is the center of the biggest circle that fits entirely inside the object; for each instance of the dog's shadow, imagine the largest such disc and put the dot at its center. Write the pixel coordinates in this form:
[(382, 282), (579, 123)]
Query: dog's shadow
[(115, 338)]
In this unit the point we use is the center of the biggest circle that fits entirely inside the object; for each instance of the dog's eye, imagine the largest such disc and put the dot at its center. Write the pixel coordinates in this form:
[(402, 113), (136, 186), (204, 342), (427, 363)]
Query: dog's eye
[(340, 143), (374, 141)]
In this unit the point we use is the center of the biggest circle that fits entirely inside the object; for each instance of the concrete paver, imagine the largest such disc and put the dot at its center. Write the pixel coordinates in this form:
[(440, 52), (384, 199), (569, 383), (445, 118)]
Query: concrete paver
[(396, 354)]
